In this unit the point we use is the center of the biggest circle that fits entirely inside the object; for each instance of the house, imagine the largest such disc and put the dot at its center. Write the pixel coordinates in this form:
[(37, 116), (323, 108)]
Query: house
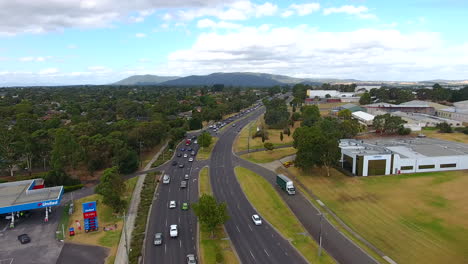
[(185, 115), (384, 156)]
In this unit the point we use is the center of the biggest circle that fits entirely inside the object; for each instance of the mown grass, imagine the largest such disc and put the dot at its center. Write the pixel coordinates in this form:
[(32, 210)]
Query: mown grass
[(242, 141), (205, 153), (455, 136), (63, 224), (413, 218), (210, 247), (269, 156), (272, 208), (106, 217)]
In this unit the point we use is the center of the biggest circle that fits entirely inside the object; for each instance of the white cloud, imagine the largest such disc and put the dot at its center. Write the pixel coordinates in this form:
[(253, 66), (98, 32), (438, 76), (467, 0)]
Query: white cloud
[(53, 15), (359, 11), (48, 71), (72, 46), (364, 54), (208, 23), (305, 9), (140, 35), (36, 59), (287, 13)]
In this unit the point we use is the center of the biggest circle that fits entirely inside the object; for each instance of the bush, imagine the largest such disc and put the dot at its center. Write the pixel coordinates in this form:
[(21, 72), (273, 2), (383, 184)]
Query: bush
[(269, 146), (219, 257), (445, 128), (262, 133), (404, 131), (465, 130), (71, 188)]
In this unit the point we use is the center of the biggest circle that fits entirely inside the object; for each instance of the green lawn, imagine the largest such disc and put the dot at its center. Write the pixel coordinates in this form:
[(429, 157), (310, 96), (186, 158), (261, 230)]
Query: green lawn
[(269, 156), (209, 247), (412, 218), (271, 207), (204, 153)]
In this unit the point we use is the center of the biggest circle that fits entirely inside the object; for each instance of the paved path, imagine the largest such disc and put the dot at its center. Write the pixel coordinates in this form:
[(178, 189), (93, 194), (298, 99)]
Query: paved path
[(121, 257), (261, 149)]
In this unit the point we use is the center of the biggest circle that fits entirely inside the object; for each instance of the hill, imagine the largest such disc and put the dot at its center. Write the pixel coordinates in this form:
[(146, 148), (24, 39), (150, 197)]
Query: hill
[(145, 80), (232, 79)]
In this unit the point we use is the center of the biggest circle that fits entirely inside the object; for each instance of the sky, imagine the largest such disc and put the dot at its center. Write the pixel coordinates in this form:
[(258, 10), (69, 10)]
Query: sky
[(103, 41)]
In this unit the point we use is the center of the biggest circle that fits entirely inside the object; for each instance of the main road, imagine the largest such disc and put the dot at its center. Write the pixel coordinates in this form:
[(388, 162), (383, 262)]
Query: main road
[(254, 244)]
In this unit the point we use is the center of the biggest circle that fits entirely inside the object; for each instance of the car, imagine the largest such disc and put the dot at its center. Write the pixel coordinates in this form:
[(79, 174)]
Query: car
[(191, 259), (158, 239), (172, 204), (196, 142), (166, 179), (193, 153), (185, 206), (189, 149), (233, 125), (194, 137), (190, 159), (185, 155), (179, 155), (24, 239), (186, 177), (183, 184), (173, 231), (256, 219), (181, 165), (174, 163), (182, 149)]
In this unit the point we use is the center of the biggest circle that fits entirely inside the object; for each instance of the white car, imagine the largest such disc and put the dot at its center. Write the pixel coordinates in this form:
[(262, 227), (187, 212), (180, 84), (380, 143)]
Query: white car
[(196, 142), (173, 231), (186, 177), (185, 155), (256, 219), (172, 204), (190, 159)]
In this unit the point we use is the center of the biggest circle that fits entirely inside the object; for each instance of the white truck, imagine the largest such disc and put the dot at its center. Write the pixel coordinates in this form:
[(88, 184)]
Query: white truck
[(285, 183)]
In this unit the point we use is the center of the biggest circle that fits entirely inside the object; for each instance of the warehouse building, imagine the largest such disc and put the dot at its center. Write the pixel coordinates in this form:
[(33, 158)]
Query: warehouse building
[(384, 156)]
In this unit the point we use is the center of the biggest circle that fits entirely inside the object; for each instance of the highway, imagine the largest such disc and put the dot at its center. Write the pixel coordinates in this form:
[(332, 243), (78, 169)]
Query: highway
[(173, 250), (254, 244)]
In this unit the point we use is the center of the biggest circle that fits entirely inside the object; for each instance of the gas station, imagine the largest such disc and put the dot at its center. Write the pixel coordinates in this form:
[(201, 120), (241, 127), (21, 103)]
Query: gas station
[(20, 196)]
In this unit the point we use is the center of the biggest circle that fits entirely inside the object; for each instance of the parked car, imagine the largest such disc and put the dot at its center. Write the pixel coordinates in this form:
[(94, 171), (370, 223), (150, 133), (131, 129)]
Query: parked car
[(256, 219), (173, 231), (158, 239), (183, 184), (172, 204), (191, 259), (24, 239)]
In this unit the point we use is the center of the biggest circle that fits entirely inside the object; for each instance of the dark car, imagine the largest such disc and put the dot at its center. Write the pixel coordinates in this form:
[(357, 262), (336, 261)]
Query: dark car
[(194, 137), (189, 149), (174, 163), (179, 155), (182, 149), (24, 239), (181, 165)]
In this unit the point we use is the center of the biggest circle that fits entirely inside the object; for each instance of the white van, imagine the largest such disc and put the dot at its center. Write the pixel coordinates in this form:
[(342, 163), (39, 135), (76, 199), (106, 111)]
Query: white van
[(166, 179)]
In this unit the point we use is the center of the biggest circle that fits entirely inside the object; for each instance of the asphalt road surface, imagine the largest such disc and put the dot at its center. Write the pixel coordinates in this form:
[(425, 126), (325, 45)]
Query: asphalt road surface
[(173, 250), (254, 244)]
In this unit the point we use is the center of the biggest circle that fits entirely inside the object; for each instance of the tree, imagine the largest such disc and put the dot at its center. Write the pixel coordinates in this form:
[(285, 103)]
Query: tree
[(350, 128), (276, 115), (269, 146), (310, 115), (388, 124), (210, 213), (112, 188), (295, 116), (205, 139), (281, 136), (365, 99), (445, 127), (345, 114), (195, 123), (65, 149)]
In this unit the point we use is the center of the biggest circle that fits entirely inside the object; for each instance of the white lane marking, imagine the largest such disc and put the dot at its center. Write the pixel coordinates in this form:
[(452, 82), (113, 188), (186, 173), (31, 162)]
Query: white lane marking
[(250, 228), (165, 248), (238, 228), (252, 255), (266, 252), (180, 243), (179, 219), (6, 261), (286, 253), (166, 222)]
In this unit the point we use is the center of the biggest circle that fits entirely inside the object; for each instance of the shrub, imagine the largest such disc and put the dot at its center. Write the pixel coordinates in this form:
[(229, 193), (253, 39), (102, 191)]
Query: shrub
[(219, 257), (404, 131), (71, 188)]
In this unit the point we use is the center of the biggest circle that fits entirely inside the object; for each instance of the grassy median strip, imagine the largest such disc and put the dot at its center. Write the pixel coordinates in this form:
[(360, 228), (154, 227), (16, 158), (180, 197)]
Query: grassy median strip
[(138, 234), (269, 156), (412, 218), (165, 156), (218, 249), (273, 209), (106, 218), (204, 153)]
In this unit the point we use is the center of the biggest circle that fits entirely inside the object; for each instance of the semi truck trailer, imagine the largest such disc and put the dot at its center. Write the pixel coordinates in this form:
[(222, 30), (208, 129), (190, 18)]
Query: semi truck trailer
[(285, 183)]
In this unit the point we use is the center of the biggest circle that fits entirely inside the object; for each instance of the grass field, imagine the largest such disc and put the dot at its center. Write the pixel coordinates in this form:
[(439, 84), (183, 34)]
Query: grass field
[(455, 136), (412, 218), (210, 247), (272, 208), (108, 239), (204, 153), (241, 142), (269, 156)]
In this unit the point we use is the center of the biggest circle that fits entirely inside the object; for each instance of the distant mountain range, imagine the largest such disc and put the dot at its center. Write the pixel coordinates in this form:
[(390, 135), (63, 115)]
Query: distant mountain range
[(145, 80)]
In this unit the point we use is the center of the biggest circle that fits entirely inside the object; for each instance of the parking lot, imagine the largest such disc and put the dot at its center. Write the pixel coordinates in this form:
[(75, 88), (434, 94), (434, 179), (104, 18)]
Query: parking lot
[(43, 248)]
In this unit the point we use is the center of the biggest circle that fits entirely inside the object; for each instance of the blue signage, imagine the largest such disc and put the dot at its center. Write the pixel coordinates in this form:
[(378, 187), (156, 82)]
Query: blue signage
[(89, 207)]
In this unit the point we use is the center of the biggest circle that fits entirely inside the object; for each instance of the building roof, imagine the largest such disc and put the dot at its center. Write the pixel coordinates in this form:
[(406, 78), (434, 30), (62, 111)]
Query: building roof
[(21, 193), (363, 116), (406, 147), (403, 105), (416, 102)]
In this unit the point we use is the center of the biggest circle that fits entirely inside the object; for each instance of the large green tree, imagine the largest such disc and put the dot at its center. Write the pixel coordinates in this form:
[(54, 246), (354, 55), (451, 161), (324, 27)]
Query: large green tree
[(205, 139), (112, 188), (310, 115), (276, 115), (210, 213), (365, 99)]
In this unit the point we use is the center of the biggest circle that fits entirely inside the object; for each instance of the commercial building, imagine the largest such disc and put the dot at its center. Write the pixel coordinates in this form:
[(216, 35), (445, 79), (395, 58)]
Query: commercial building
[(363, 117), (411, 107), (384, 156), (329, 96), (424, 120), (458, 112), (27, 195), (360, 89), (350, 107)]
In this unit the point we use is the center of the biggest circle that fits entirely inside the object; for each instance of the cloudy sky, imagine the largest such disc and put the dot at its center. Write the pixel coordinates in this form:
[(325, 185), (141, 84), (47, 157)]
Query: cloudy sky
[(102, 41)]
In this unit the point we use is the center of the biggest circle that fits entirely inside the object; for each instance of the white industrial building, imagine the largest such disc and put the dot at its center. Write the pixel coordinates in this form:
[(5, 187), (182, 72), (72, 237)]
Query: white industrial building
[(384, 156), (458, 112), (323, 94), (363, 117)]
